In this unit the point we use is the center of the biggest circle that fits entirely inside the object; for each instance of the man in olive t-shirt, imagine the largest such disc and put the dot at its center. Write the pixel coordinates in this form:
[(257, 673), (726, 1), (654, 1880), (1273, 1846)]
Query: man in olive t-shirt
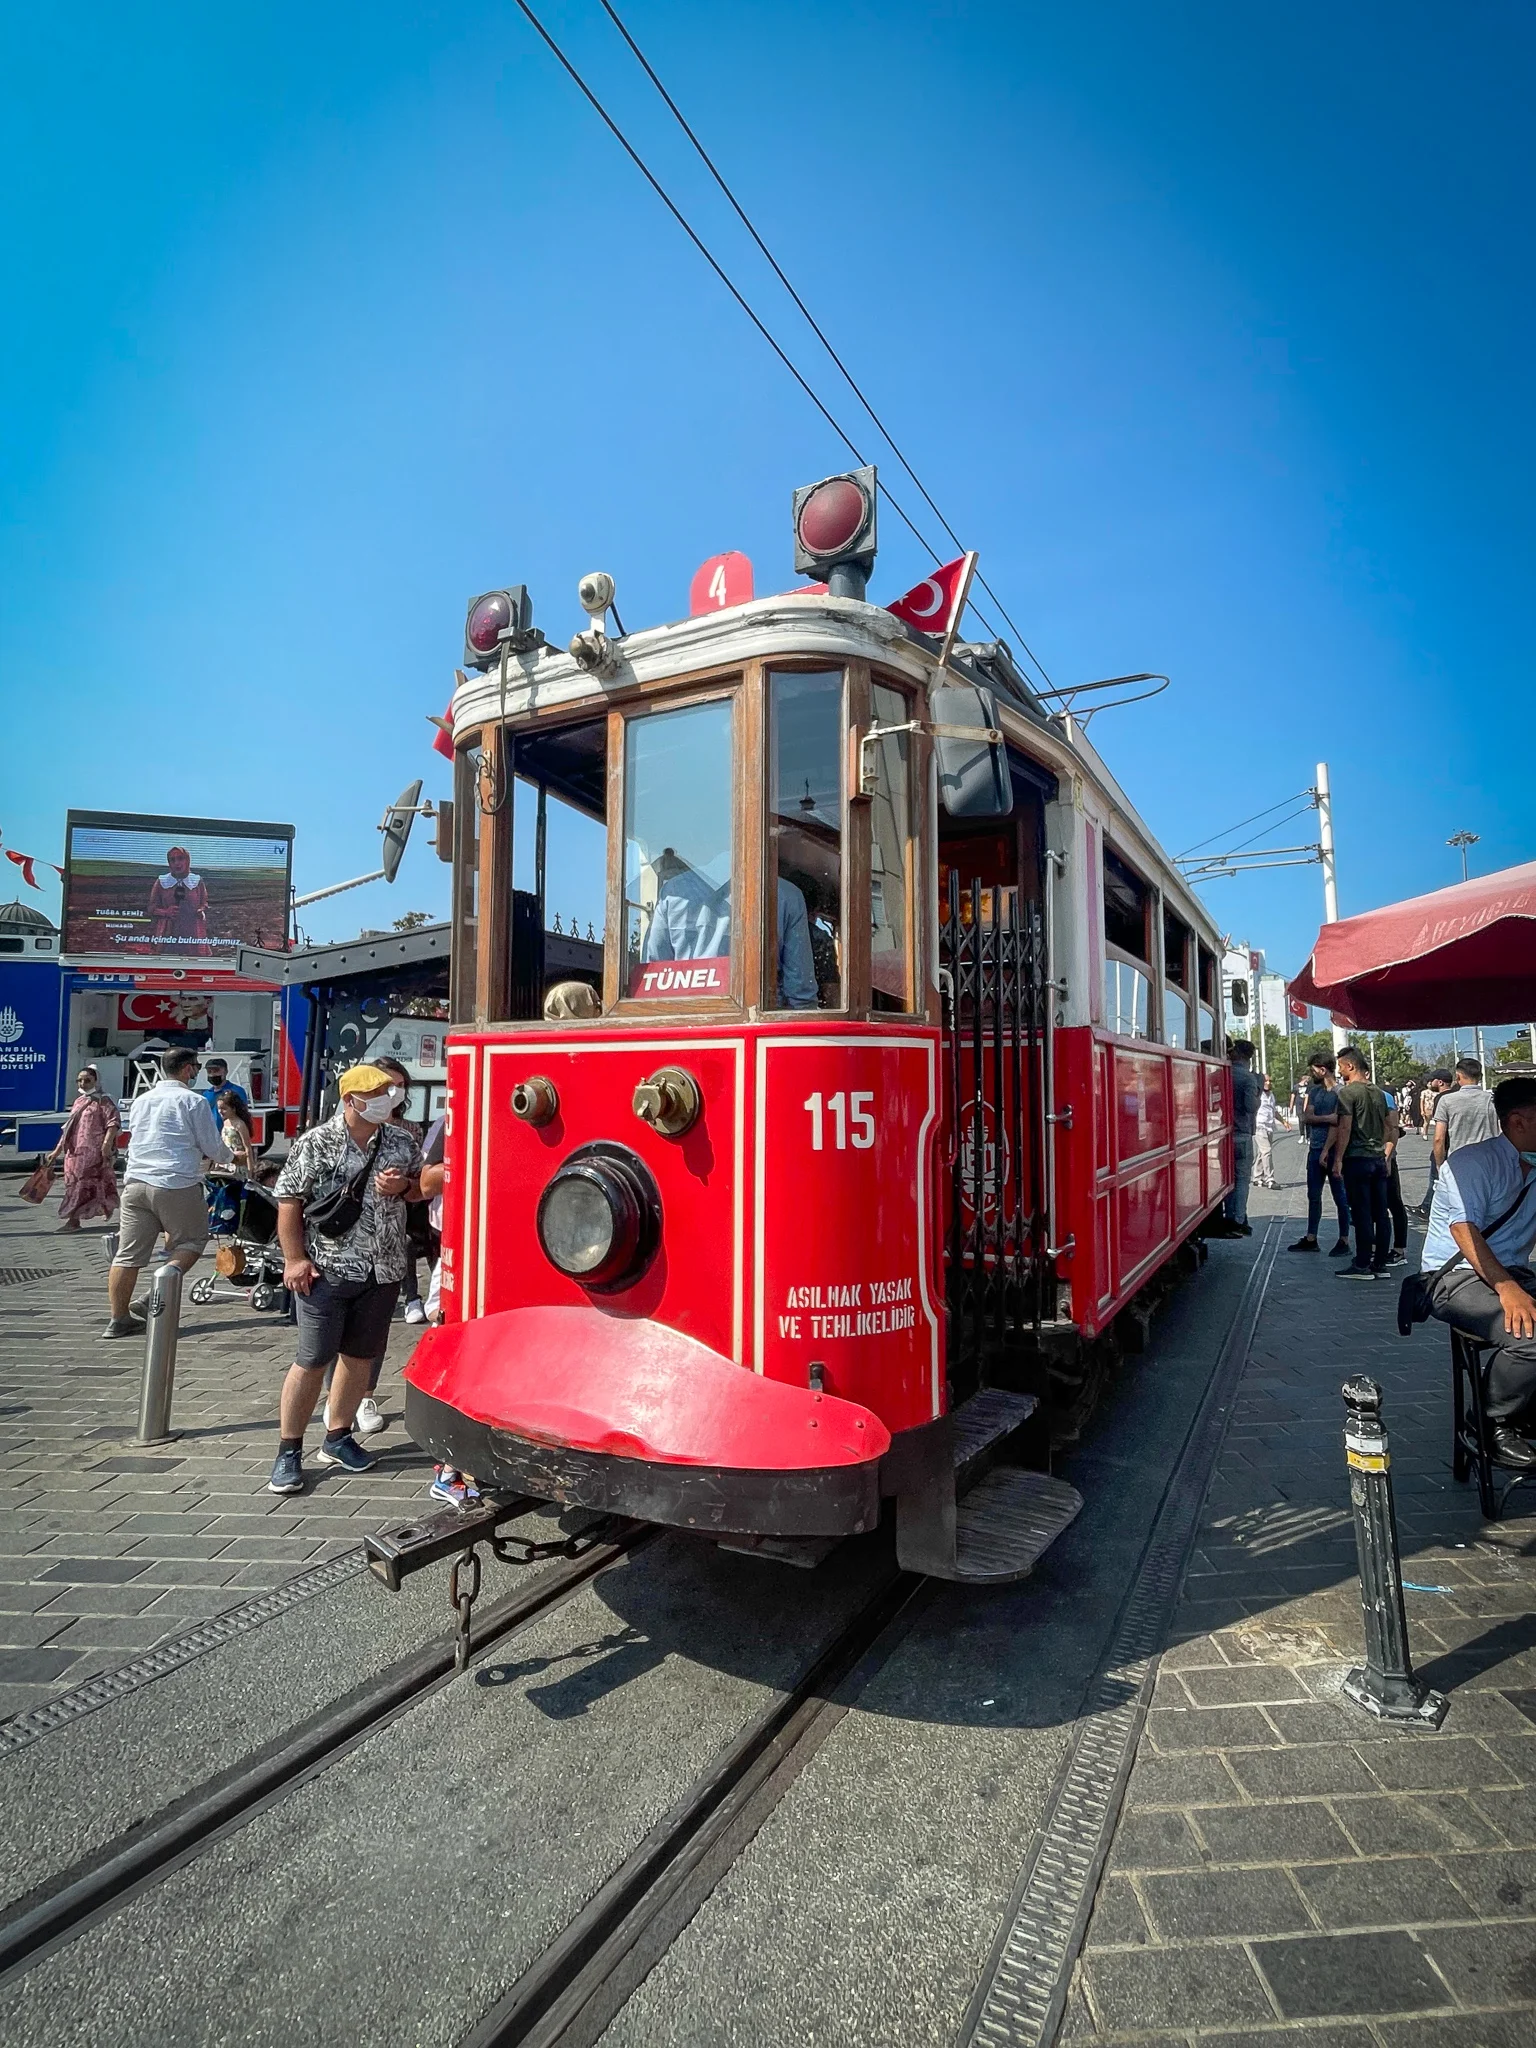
[(1361, 1146)]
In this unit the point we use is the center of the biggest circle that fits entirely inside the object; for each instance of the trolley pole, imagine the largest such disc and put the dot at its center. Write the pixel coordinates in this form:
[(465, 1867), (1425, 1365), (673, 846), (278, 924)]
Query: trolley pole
[(1330, 875), (1386, 1685), (160, 1357)]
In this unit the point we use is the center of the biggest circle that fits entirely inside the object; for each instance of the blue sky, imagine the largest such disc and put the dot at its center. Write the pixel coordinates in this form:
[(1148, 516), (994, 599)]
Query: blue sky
[(1208, 327)]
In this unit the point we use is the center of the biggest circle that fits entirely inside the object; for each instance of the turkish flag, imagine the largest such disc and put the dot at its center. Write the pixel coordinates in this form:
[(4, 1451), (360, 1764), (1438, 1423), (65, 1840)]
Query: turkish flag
[(442, 739), (25, 862), (1297, 1009), (929, 604)]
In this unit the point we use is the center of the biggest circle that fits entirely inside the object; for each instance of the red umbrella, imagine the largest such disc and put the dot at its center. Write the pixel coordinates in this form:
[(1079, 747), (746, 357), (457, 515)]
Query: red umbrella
[(1465, 955)]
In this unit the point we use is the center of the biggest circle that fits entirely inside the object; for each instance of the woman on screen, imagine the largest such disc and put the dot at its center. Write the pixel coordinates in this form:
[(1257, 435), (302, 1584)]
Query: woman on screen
[(178, 906)]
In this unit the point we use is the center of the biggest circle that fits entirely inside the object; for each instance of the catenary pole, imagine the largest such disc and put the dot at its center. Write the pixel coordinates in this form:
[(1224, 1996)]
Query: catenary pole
[(1330, 876)]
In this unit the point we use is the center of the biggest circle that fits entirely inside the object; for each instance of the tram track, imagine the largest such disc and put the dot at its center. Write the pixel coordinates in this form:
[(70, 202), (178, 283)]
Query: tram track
[(567, 1994), (90, 1890)]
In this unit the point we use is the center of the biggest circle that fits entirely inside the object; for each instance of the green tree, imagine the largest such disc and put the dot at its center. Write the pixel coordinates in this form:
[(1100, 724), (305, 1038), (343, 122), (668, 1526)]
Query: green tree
[(1284, 1058), (411, 920), (1515, 1053)]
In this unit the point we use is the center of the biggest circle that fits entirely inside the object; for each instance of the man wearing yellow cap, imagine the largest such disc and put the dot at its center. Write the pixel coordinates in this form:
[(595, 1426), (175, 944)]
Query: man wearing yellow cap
[(344, 1271)]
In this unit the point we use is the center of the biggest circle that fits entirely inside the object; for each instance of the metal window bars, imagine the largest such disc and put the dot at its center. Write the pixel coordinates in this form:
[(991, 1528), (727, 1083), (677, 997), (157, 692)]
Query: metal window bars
[(996, 979)]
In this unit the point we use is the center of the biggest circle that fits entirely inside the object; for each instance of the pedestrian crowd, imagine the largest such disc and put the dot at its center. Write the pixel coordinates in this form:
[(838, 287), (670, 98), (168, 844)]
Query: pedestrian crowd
[(358, 1221)]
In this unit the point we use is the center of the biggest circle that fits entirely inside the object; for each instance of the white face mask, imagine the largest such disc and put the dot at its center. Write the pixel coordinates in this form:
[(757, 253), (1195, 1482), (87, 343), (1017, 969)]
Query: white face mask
[(376, 1109)]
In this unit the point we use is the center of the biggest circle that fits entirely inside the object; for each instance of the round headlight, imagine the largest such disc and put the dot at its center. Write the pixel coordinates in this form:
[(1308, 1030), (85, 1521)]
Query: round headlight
[(599, 1219)]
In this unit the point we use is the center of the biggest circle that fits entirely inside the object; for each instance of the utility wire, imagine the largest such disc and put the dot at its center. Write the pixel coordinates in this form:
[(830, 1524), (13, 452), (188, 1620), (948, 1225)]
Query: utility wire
[(677, 214), (1265, 830), (1296, 799), (811, 321)]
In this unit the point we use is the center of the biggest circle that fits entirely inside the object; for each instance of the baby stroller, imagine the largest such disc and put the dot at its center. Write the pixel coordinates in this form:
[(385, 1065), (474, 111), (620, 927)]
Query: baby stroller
[(248, 1259)]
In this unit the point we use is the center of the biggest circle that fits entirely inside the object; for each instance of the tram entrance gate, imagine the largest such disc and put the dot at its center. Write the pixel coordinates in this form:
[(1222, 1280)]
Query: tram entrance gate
[(995, 981)]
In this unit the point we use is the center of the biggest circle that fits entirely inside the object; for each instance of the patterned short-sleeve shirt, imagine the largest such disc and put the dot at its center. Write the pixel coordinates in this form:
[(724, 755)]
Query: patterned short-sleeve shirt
[(325, 1157)]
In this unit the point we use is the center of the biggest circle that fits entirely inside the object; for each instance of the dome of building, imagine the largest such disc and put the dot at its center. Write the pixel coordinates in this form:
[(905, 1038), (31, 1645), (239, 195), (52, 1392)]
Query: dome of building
[(21, 916)]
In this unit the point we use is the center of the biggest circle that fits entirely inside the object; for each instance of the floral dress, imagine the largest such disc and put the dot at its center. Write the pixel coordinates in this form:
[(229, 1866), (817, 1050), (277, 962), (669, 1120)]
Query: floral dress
[(90, 1183)]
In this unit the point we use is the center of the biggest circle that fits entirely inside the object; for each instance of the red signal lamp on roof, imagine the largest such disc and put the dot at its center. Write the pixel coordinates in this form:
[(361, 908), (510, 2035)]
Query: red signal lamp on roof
[(835, 536), (497, 619)]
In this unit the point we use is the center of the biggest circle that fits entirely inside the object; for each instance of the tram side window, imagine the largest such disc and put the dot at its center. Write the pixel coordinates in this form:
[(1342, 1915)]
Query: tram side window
[(1127, 964), (1208, 1001), (890, 853), (465, 957), (678, 822), (805, 823), (1177, 1011)]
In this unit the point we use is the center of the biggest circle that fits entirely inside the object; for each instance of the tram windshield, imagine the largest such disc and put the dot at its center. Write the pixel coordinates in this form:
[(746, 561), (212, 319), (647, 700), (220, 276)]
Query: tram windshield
[(679, 902), (890, 857), (806, 821)]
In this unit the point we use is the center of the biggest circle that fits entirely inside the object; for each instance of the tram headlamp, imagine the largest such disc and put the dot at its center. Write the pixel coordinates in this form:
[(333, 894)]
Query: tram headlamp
[(599, 1219)]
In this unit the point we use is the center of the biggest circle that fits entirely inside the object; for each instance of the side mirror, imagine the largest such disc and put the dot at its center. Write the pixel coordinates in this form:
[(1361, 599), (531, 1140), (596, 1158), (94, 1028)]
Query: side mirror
[(974, 779)]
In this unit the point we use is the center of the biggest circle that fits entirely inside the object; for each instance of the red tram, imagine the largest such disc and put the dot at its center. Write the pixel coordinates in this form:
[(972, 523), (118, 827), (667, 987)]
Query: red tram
[(903, 1083)]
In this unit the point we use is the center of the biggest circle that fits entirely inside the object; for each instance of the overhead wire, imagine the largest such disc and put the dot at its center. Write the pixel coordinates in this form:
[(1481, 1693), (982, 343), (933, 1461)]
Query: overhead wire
[(815, 326), (698, 242), (1226, 829), (683, 222)]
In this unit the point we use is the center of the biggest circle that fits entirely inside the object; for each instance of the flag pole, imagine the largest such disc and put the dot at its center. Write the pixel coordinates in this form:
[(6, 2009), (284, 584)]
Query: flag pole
[(962, 595)]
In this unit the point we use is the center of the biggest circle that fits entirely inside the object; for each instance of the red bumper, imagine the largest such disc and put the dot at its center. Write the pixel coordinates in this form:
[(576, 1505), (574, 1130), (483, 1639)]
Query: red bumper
[(627, 1415)]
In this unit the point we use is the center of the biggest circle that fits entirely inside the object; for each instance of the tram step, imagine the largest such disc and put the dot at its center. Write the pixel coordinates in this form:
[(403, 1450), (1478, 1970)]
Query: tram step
[(980, 1426), (1007, 1522)]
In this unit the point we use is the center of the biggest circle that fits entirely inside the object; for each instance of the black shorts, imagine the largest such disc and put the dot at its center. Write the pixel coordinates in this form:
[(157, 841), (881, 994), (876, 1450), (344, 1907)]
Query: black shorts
[(349, 1317)]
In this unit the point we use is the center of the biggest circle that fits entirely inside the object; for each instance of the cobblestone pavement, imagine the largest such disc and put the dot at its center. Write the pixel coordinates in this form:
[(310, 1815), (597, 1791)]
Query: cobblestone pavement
[(1285, 1869), (106, 1551)]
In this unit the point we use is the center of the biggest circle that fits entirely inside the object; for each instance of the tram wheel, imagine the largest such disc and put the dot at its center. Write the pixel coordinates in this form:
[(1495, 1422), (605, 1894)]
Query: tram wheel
[(1077, 1386)]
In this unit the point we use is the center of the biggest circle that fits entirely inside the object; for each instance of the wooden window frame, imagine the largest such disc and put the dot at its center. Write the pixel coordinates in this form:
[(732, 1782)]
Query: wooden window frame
[(805, 665), (735, 685)]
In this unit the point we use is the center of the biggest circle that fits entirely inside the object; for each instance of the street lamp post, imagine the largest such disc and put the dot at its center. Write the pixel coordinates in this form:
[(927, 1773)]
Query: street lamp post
[(1461, 841)]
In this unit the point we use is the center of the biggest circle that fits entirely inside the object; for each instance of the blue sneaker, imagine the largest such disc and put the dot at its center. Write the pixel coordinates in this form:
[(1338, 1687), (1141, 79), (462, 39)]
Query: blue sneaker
[(454, 1488), (287, 1473), (346, 1452)]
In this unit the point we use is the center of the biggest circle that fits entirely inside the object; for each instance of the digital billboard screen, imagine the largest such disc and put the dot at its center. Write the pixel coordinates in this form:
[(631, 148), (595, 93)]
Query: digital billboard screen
[(173, 890)]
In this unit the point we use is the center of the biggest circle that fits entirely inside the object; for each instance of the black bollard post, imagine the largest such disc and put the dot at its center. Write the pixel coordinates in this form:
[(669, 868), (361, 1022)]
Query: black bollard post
[(1386, 1687)]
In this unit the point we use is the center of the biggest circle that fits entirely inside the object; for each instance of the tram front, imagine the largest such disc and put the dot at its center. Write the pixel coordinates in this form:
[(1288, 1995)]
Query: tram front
[(693, 1230)]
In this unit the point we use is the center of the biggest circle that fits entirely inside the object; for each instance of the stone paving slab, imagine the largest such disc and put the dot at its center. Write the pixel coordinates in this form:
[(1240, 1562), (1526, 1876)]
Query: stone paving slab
[(1286, 1870), (107, 1550)]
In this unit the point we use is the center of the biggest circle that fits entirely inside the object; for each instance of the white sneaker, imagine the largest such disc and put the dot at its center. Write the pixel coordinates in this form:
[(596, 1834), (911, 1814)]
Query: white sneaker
[(368, 1421), (415, 1312)]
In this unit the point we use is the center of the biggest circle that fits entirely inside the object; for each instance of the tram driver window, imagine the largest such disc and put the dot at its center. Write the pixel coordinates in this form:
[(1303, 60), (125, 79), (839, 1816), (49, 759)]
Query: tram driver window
[(1177, 947), (1127, 964), (678, 823), (805, 823), (890, 854), (1208, 1001)]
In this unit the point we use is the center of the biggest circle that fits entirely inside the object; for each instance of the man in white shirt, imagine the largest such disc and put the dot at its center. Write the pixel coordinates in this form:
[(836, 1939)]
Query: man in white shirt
[(172, 1136), (1490, 1290)]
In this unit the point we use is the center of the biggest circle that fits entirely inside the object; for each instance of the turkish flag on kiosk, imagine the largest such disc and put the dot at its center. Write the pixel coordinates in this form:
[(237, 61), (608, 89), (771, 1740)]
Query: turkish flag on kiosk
[(930, 605)]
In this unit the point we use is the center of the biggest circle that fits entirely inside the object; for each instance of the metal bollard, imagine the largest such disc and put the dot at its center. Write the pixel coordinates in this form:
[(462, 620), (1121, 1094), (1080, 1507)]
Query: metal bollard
[(160, 1357), (1386, 1687)]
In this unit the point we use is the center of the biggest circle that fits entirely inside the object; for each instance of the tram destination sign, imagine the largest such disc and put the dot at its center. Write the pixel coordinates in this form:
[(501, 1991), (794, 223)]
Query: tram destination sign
[(178, 892)]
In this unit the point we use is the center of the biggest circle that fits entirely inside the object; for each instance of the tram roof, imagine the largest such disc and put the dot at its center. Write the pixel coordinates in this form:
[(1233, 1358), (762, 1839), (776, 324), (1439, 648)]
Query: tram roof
[(793, 627)]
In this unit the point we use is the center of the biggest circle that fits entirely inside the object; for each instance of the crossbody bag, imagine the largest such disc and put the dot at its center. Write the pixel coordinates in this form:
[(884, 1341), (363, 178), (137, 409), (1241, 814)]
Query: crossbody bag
[(339, 1212), (1415, 1294)]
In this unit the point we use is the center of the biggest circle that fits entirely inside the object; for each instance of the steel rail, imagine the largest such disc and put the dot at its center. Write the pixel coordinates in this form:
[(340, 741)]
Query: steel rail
[(93, 1888), (571, 1993)]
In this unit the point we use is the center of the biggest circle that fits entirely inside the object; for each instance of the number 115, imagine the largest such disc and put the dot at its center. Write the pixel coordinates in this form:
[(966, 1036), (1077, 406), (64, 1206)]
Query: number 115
[(846, 1111)]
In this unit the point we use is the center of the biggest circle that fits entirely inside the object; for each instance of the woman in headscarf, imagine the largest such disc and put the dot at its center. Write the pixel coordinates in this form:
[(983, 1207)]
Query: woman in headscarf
[(89, 1151)]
